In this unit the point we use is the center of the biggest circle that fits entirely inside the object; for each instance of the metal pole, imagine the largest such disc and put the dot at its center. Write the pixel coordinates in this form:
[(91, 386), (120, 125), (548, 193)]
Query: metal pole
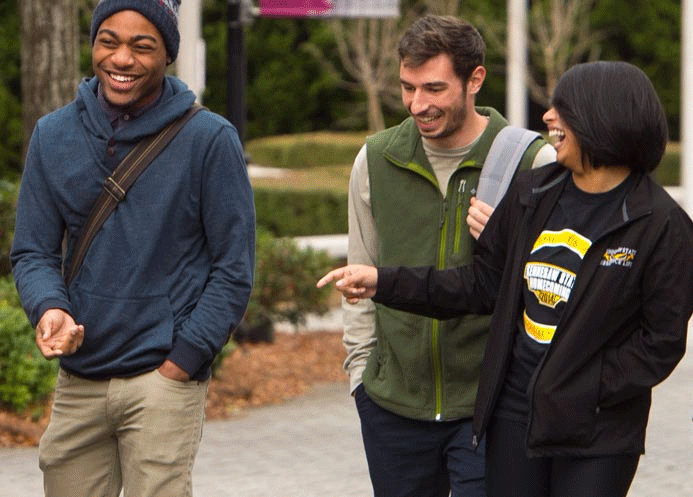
[(516, 83), (236, 108), (686, 106), (190, 65)]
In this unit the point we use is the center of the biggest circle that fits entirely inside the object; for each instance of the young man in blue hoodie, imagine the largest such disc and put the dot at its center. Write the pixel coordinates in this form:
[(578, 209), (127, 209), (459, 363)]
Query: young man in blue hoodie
[(164, 280)]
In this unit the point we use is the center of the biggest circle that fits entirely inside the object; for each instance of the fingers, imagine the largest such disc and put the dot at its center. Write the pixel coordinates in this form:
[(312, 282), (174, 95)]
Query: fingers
[(67, 342), (482, 207), (73, 340), (479, 214), (172, 371), (354, 281), (336, 274), (44, 329), (47, 351), (79, 335), (353, 292), (57, 334)]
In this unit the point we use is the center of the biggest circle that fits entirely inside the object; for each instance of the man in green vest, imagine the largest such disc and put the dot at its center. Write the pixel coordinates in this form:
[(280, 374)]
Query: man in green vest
[(411, 202)]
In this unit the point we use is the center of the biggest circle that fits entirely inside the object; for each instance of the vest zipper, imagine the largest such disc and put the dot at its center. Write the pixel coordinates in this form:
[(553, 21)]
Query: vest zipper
[(458, 216), (435, 325), (437, 369)]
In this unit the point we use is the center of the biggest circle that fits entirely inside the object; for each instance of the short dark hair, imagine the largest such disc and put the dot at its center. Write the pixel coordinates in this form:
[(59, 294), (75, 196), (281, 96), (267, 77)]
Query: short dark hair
[(615, 113), (432, 35)]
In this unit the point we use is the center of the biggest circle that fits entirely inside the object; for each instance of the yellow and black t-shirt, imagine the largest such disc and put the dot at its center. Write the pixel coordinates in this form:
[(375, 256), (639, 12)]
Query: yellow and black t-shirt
[(550, 273)]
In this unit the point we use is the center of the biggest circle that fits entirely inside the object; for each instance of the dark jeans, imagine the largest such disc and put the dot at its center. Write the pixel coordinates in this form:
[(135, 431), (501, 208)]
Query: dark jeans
[(413, 458), (510, 473)]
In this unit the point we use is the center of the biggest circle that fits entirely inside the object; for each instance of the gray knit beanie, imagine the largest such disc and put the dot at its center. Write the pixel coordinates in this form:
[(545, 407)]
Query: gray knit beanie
[(161, 13)]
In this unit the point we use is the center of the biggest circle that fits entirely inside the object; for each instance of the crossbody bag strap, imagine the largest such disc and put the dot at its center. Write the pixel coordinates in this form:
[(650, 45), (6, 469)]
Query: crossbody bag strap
[(118, 183)]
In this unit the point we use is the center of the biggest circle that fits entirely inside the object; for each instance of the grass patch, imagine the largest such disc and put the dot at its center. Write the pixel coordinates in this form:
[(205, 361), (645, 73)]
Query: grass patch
[(323, 178), (305, 150), (322, 161)]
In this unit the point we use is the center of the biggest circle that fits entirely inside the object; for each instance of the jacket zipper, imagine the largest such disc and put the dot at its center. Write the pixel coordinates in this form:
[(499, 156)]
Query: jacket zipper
[(487, 408), (458, 216)]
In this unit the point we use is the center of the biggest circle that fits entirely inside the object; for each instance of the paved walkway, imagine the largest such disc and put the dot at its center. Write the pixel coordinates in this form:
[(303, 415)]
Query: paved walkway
[(311, 447)]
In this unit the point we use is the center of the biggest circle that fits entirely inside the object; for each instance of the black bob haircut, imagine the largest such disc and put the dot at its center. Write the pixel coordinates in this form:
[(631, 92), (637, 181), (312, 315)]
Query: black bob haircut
[(615, 113)]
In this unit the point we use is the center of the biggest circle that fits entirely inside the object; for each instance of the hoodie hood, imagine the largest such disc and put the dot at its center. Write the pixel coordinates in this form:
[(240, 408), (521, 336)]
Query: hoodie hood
[(174, 100)]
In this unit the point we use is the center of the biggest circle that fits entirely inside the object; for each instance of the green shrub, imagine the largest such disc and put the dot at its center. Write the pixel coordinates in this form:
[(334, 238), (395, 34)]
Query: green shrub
[(305, 150), (668, 173), (26, 375), (292, 213), (285, 277), (8, 201), (219, 358)]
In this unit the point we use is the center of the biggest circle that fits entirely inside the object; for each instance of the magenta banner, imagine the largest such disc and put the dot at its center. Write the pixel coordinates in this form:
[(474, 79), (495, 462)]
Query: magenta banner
[(294, 8), (329, 8)]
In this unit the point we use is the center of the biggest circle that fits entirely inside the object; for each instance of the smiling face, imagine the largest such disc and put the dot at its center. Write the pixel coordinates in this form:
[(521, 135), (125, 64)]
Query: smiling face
[(437, 99), (129, 59), (568, 150)]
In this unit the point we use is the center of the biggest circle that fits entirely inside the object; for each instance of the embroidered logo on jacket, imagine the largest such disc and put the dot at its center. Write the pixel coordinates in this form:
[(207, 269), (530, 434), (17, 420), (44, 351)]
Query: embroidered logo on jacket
[(621, 256)]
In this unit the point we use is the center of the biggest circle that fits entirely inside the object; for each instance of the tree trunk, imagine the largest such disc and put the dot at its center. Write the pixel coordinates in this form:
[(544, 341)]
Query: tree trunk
[(376, 119), (49, 58)]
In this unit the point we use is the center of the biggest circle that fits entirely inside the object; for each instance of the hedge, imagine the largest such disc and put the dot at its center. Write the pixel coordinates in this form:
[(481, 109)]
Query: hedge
[(27, 376), (291, 213)]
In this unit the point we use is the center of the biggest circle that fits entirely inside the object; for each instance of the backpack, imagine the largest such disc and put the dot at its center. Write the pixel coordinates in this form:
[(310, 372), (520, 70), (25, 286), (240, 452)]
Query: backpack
[(502, 161)]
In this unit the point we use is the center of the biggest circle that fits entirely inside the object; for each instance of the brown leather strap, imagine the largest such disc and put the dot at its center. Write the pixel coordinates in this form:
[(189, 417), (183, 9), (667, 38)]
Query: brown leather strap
[(116, 185)]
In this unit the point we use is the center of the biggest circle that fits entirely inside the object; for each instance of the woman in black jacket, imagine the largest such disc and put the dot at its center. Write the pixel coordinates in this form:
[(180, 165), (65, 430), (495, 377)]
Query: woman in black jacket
[(587, 267)]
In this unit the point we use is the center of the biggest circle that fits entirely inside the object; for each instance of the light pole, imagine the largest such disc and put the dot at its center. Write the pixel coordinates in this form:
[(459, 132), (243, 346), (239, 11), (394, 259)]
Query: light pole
[(686, 106), (516, 83), (236, 107)]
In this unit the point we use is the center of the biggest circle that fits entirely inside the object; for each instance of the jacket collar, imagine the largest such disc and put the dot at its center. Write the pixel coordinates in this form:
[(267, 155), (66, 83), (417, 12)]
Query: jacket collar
[(552, 178)]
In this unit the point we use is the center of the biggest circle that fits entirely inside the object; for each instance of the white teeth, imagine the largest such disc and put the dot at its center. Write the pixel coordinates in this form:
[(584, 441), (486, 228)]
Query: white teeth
[(122, 79), (556, 133)]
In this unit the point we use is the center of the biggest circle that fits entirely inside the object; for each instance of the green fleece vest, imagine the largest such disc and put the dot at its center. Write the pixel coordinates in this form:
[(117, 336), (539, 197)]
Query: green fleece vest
[(423, 368)]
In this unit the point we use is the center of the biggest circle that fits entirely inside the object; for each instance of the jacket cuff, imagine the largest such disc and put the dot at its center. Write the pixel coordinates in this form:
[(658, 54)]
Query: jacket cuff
[(51, 304), (386, 276), (187, 357)]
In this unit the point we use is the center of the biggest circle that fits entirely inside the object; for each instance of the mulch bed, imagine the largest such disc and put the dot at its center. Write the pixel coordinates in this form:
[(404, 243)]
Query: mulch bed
[(252, 375)]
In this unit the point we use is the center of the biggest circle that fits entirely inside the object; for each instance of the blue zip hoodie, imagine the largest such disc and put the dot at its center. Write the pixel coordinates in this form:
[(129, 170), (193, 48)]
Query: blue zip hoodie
[(169, 273)]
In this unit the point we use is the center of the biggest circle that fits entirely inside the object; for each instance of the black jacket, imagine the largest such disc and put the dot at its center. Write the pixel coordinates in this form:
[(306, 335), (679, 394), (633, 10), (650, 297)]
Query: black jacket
[(623, 330)]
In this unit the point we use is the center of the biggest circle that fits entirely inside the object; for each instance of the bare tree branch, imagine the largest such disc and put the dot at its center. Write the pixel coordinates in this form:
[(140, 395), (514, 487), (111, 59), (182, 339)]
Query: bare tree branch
[(560, 36), (367, 50)]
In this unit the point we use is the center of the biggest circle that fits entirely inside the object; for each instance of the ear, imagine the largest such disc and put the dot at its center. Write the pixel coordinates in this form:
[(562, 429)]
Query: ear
[(169, 61), (476, 80)]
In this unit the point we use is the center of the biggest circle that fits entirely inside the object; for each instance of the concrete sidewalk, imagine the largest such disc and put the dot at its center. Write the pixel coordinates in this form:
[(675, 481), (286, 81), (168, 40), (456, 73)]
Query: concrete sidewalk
[(311, 447)]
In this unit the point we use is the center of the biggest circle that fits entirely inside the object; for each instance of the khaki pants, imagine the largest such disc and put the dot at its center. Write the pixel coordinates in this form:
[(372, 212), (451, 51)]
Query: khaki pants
[(140, 434)]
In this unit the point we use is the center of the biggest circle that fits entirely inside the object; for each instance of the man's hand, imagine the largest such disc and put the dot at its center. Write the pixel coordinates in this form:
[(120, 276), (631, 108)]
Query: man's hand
[(57, 334), (172, 371), (354, 281), (479, 212)]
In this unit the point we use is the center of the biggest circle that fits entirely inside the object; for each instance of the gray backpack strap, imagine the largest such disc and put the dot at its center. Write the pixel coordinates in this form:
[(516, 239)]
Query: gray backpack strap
[(502, 161)]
